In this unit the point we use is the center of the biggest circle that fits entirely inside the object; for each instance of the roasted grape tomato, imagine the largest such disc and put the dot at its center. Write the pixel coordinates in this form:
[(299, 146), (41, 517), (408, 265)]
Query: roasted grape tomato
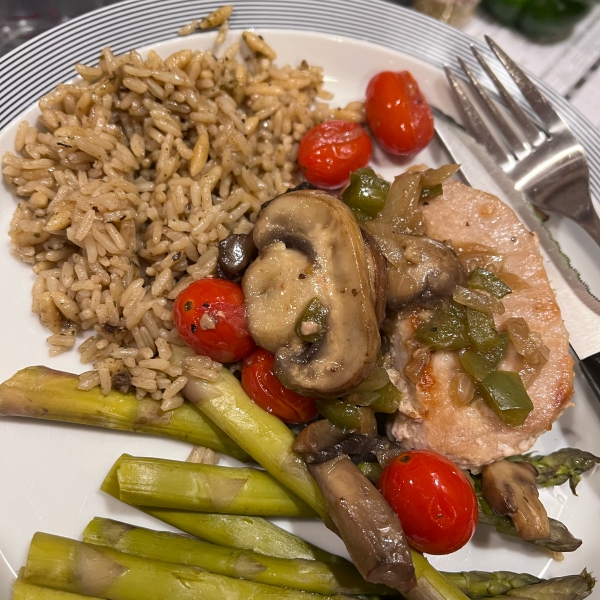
[(433, 500), (398, 114), (332, 150), (210, 318), (261, 384)]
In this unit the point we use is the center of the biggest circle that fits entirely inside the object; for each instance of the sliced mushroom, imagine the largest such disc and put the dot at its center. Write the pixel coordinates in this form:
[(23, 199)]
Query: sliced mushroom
[(368, 526), (318, 436), (510, 489), (310, 246), (418, 267), (360, 448), (377, 266)]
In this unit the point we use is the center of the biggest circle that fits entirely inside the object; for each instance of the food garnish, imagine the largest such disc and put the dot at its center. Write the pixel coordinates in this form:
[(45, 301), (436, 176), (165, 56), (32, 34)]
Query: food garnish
[(433, 500), (332, 150), (210, 318), (261, 384), (398, 114)]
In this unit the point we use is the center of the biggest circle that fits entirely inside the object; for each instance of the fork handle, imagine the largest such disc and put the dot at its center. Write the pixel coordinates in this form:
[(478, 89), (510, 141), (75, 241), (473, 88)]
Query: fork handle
[(590, 367)]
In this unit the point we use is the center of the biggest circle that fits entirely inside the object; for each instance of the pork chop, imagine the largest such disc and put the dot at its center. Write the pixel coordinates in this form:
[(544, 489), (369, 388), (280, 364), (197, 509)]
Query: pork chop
[(471, 434)]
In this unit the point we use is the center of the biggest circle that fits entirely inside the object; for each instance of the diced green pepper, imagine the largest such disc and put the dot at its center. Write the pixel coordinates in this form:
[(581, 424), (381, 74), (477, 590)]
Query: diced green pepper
[(482, 279), (479, 365), (507, 397), (366, 194), (482, 330), (343, 414), (432, 191), (371, 470), (446, 330), (476, 365), (311, 324), (497, 353), (385, 399)]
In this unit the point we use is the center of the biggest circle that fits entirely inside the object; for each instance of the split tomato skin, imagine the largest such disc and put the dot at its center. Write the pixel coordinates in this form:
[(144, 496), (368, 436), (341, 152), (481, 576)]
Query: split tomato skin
[(261, 384), (433, 500), (211, 319), (330, 151), (398, 114)]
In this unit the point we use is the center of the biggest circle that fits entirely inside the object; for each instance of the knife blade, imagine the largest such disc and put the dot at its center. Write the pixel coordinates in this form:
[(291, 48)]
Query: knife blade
[(580, 309)]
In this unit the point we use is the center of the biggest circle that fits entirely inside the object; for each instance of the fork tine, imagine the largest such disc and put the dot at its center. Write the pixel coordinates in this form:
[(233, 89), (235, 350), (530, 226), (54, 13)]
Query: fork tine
[(478, 129), (531, 132), (537, 101), (514, 143)]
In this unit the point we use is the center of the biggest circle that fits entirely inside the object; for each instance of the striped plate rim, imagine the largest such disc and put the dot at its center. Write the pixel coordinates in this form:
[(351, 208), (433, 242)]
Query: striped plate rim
[(37, 66)]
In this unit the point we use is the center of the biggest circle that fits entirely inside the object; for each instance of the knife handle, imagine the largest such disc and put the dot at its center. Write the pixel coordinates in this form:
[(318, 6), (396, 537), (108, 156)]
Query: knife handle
[(590, 367)]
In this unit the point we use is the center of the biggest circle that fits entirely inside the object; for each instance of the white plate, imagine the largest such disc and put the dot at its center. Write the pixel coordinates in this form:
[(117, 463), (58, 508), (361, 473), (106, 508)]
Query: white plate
[(50, 472)]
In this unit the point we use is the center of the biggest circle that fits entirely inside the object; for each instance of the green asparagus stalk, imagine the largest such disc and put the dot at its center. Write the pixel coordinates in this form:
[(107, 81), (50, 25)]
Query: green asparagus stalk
[(265, 437), (27, 591), (246, 533), (206, 488), (90, 570), (557, 467), (298, 574), (269, 442), (43, 393), (480, 584), (559, 540), (504, 584)]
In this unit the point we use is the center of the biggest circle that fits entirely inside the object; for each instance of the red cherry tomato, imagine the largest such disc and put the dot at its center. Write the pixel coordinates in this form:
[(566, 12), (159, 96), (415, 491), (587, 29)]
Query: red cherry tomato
[(397, 113), (210, 318), (433, 500), (329, 152), (261, 384)]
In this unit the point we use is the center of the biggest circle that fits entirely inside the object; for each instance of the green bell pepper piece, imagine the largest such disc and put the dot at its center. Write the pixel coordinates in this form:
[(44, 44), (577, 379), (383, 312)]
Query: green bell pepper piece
[(343, 414), (366, 194), (507, 397), (482, 279), (384, 400), (482, 330), (446, 330), (316, 313)]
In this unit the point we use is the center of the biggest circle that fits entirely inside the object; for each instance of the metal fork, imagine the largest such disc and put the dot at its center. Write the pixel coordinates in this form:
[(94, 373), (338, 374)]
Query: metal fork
[(543, 160)]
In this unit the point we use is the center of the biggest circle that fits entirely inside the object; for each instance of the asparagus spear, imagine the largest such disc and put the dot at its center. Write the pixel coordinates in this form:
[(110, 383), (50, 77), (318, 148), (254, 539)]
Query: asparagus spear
[(265, 437), (90, 570), (246, 533), (206, 488), (306, 575), (27, 591), (559, 540), (269, 442), (557, 467), (43, 393), (504, 584)]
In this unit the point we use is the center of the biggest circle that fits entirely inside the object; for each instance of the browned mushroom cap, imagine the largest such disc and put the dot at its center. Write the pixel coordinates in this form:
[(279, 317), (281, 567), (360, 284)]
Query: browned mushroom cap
[(368, 526), (418, 267), (310, 246), (510, 489)]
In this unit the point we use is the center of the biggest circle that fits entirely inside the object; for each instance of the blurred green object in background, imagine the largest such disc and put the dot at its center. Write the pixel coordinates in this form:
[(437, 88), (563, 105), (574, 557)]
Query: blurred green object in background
[(541, 20)]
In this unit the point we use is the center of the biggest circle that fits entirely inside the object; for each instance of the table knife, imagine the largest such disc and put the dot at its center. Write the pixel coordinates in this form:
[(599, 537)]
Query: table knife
[(580, 309)]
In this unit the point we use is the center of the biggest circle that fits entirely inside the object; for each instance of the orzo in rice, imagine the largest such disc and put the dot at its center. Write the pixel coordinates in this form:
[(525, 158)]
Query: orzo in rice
[(130, 180)]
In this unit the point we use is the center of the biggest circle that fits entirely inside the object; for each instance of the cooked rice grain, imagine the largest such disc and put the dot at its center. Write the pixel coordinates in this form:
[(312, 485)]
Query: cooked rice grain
[(134, 176)]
